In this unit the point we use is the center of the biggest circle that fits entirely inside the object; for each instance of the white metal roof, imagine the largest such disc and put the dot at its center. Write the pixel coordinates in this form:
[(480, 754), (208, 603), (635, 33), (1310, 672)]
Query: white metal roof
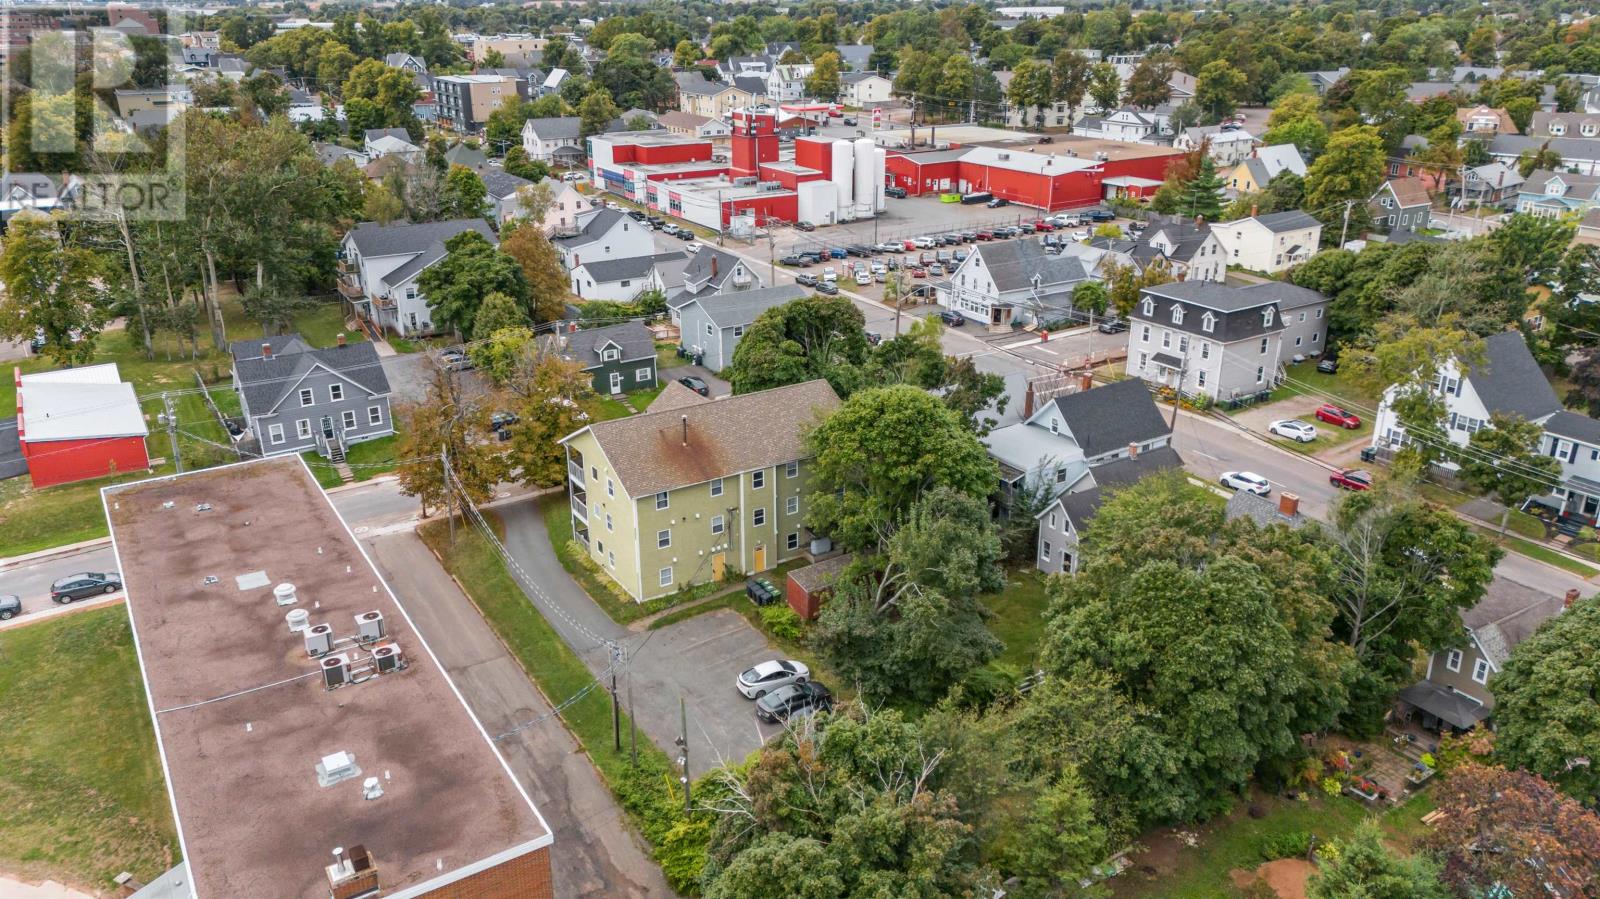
[(1023, 161), (105, 373), (69, 410)]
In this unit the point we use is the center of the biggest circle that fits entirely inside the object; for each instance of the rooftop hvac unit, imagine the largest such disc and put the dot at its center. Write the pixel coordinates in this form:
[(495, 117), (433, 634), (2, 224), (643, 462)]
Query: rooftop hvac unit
[(388, 657), (284, 595), (745, 181), (1004, 156), (319, 640), (335, 670), (298, 620), (335, 767), (369, 626), (1102, 156)]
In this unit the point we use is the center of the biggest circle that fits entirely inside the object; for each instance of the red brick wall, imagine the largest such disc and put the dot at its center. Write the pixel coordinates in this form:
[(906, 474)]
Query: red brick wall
[(524, 877)]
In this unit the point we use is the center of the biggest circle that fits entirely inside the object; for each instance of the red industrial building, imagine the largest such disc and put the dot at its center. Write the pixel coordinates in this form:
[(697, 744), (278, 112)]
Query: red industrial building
[(1070, 175), (79, 423)]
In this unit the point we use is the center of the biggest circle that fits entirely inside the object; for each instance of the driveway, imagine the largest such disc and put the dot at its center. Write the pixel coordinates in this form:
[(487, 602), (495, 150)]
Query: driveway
[(717, 385), (11, 462), (410, 374), (697, 659)]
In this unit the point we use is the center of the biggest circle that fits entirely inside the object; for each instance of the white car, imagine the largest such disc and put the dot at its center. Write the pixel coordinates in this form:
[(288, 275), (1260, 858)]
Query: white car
[(863, 277), (828, 274), (1080, 234), (691, 248), (573, 177), (879, 268), (926, 243), (768, 676), (1248, 481), (1293, 429)]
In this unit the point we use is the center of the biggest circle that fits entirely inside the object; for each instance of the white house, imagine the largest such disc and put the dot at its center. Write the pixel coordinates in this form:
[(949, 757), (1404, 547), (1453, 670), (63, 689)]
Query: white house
[(621, 279), (542, 138), (380, 142), (865, 88), (1194, 251), (379, 266), (1134, 125), (1270, 243), (1227, 146), (565, 207), (1012, 281), (603, 233), (788, 83)]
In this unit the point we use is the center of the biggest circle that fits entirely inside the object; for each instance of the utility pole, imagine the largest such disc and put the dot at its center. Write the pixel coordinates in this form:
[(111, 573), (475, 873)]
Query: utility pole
[(633, 726), (449, 499), (683, 748), (1348, 205), (171, 419), (616, 708)]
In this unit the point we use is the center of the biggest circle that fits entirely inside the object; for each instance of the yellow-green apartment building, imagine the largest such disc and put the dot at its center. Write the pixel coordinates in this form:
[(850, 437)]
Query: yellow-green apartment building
[(695, 489)]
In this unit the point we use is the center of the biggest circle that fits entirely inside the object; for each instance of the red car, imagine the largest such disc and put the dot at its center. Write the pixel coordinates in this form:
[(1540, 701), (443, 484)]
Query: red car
[(1351, 479), (919, 272), (908, 244), (1042, 225), (1334, 415), (985, 235)]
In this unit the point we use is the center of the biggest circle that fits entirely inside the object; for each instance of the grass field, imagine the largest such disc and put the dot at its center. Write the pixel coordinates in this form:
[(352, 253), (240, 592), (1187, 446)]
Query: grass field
[(609, 408), (81, 785), (1235, 840), (1018, 619), (32, 520), (1334, 388), (605, 592)]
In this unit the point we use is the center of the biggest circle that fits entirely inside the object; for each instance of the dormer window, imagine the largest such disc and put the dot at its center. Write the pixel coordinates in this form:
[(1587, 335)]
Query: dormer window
[(1266, 317), (1177, 313), (1558, 129), (1208, 322), (1149, 308), (610, 354), (1589, 129), (1554, 187)]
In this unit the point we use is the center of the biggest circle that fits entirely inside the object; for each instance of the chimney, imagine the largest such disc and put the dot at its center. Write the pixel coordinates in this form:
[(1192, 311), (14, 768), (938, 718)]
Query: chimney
[(1133, 450), (713, 267), (1572, 597), (1288, 504), (341, 338), (266, 350), (1254, 209), (685, 430), (1085, 380)]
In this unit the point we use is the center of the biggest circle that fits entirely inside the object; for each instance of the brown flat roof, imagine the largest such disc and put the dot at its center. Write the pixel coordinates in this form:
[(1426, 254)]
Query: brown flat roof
[(1086, 147), (243, 718)]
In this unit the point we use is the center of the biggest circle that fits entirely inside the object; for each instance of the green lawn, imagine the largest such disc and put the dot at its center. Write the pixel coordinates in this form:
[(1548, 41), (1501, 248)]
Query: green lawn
[(1541, 553), (81, 785), (608, 408), (1315, 383), (1018, 618), (373, 457), (604, 591), (1235, 841), (327, 476), (646, 792), (320, 325), (32, 520)]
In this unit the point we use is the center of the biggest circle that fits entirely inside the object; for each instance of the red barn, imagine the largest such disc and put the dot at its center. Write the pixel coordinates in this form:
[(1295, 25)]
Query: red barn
[(79, 423)]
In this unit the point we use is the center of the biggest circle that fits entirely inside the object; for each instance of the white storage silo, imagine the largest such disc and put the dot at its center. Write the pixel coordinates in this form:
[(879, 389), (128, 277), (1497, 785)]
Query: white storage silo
[(866, 194), (844, 174), (880, 176)]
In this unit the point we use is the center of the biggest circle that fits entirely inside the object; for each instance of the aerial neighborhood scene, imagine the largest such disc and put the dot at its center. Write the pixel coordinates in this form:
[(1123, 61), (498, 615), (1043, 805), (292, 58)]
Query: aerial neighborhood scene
[(751, 449)]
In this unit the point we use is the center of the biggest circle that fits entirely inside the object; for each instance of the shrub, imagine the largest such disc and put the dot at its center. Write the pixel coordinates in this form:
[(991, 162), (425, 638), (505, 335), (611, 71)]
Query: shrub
[(1429, 760), (781, 621), (1332, 786), (982, 686), (682, 852), (1289, 844)]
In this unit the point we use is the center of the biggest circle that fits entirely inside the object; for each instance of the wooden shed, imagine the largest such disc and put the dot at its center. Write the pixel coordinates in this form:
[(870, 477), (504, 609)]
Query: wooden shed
[(808, 587)]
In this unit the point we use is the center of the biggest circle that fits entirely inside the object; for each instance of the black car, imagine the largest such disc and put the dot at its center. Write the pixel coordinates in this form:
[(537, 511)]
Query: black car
[(795, 699), (695, 384), (857, 250), (1026, 228), (969, 237), (899, 193), (849, 121), (637, 215), (997, 202), (1113, 326), (952, 318), (1101, 215), (502, 420), (828, 287), (10, 607), (805, 226), (874, 338), (88, 583), (795, 260), (655, 221), (1329, 365), (805, 280)]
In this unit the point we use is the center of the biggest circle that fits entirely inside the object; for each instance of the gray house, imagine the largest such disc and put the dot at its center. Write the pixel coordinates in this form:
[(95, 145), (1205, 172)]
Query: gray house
[(296, 398), (1061, 524), (1454, 695), (711, 326), (619, 358), (1305, 320), (710, 271)]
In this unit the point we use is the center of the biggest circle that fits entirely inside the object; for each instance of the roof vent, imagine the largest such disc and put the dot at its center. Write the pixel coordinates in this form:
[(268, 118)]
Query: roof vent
[(203, 507), (1004, 156), (298, 620), (284, 595), (371, 788), (336, 767)]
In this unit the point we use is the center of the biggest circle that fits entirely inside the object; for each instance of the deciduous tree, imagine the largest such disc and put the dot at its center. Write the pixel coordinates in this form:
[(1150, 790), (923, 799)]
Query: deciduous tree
[(465, 195), (472, 269), (812, 337), (1361, 865), (447, 425), (1507, 830), (1218, 88), (1547, 716), (1504, 461), (1350, 170), (554, 393), (50, 288)]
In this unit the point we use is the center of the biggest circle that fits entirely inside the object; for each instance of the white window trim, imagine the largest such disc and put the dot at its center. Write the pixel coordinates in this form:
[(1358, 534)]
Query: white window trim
[(664, 577), (758, 517), (374, 415), (1481, 666), (716, 487), (1452, 660), (663, 501), (716, 524), (347, 419), (302, 429), (308, 397), (665, 534), (275, 433), (335, 393), (792, 505)]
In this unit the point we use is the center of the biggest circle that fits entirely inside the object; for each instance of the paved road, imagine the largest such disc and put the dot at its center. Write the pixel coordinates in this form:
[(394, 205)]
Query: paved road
[(596, 852)]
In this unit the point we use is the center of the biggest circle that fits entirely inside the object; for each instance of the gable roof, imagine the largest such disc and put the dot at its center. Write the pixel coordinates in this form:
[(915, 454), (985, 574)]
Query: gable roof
[(710, 265), (1408, 192), (658, 451), (1509, 381), (696, 84), (461, 154), (1508, 614), (1212, 295), (1081, 507), (1107, 418), (754, 85), (632, 338), (606, 271), (677, 118), (372, 134), (1291, 220), (1014, 263), (598, 224), (266, 381), (565, 127), (1574, 426), (729, 310), (1279, 158), (1576, 184), (501, 184), (675, 396), (374, 240)]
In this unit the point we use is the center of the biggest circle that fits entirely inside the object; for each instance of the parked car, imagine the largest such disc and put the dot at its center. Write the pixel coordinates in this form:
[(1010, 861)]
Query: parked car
[(1080, 234), (454, 359), (502, 420), (795, 699), (952, 318), (10, 606), (795, 260), (695, 384), (655, 221), (1329, 365), (636, 214), (984, 235), (863, 277), (572, 177), (1026, 228), (1113, 326), (88, 583), (836, 253), (1293, 429), (936, 269), (757, 682), (919, 272), (1247, 481), (830, 274), (899, 193), (1101, 215), (805, 226), (924, 243), (874, 338), (691, 247), (805, 280), (829, 288), (1351, 479), (997, 202), (857, 250), (1043, 225), (1334, 415)]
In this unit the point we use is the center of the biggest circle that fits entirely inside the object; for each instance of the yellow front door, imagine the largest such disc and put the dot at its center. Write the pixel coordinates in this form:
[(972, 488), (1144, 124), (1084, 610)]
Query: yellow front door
[(761, 558), (719, 564)]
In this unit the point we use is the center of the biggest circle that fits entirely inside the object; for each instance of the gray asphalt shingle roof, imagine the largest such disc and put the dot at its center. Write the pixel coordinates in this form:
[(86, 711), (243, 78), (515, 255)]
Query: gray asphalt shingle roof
[(632, 338), (501, 184), (265, 381), (1014, 263), (1108, 418), (557, 128), (374, 240), (594, 227), (729, 310), (1080, 507), (1574, 426), (1509, 381), (609, 270), (1292, 220)]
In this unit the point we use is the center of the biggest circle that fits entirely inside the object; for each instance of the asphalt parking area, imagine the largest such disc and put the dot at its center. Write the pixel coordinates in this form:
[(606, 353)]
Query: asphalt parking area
[(699, 660)]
